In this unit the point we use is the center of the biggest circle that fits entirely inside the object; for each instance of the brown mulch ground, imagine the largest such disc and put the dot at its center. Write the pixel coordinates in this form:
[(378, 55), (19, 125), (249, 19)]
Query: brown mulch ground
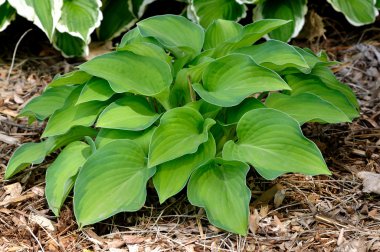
[(292, 213)]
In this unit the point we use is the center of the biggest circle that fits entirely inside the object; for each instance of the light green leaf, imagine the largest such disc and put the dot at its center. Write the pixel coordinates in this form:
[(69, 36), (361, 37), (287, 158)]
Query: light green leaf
[(61, 174), (356, 12), (70, 46), (276, 55), (302, 83), (175, 33), (112, 24), (147, 49), (294, 10), (171, 177), (221, 31), (128, 113), (220, 187), (47, 103), (180, 132), (206, 12), (43, 13), (71, 115), (71, 78), (306, 107), (273, 143), (128, 72), (120, 168), (233, 114), (80, 18), (7, 14), (229, 80), (24, 156), (134, 36), (96, 89)]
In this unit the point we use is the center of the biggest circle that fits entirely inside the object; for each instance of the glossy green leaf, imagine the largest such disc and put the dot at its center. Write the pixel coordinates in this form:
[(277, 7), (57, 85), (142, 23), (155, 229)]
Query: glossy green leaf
[(61, 174), (294, 10), (220, 187), (301, 83), (7, 14), (306, 107), (356, 12), (276, 55), (128, 72), (71, 115), (112, 180), (71, 78), (180, 132), (229, 80), (171, 177), (43, 13), (96, 89), (273, 143), (128, 113), (175, 33), (24, 156), (80, 18), (221, 31), (206, 12), (47, 103), (112, 25)]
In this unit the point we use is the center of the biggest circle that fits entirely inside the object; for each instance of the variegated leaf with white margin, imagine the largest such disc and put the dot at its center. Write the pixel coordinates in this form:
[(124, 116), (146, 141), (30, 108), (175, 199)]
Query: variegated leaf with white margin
[(356, 12), (286, 9), (137, 7), (80, 18), (70, 46), (7, 14), (43, 13)]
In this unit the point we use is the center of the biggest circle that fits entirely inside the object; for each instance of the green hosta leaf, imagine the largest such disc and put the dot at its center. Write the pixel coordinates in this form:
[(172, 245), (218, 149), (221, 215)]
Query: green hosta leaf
[(43, 13), (273, 143), (301, 83), (134, 36), (219, 186), (24, 156), (276, 55), (171, 177), (378, 4), (60, 176), (72, 78), (356, 12), (112, 180), (221, 31), (112, 24), (80, 18), (46, 104), (147, 49), (180, 132), (306, 107), (207, 11), (128, 72), (294, 10), (71, 115), (206, 109), (229, 80), (70, 46), (175, 33), (128, 113), (329, 79), (7, 14), (96, 89), (233, 114)]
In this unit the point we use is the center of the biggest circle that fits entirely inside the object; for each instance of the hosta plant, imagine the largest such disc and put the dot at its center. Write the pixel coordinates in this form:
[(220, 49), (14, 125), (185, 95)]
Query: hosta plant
[(183, 107)]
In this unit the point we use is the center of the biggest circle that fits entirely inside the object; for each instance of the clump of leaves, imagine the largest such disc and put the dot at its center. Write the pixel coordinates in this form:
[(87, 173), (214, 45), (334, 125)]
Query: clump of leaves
[(183, 106)]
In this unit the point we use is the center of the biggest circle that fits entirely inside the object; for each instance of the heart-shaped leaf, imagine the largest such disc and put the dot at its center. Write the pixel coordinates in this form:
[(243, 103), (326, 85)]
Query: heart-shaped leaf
[(180, 132), (128, 72), (229, 80), (171, 177), (273, 143), (128, 113), (219, 186), (96, 89), (61, 174), (72, 78), (306, 107), (221, 31), (112, 180)]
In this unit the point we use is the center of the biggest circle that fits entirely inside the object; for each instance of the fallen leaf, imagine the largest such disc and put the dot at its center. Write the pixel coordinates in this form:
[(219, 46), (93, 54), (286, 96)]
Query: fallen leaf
[(371, 182), (42, 221), (133, 239), (351, 246)]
